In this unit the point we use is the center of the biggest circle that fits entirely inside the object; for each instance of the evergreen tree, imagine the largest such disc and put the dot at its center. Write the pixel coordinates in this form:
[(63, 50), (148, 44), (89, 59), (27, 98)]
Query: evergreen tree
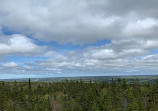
[(29, 94)]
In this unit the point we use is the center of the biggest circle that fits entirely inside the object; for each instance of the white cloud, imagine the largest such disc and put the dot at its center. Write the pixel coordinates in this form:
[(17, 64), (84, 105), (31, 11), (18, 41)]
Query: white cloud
[(131, 27), (103, 53), (81, 21), (141, 27), (10, 64), (21, 45)]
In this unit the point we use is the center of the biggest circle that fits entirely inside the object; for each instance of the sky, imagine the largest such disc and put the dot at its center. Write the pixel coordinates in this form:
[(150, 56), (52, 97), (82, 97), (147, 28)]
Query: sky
[(68, 38)]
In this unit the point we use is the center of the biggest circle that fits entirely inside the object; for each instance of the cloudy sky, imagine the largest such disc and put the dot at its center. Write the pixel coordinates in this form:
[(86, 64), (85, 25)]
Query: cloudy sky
[(54, 38)]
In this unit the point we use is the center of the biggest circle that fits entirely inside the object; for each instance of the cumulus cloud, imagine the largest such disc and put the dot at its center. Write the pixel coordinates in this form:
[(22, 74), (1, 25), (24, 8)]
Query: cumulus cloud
[(130, 25), (101, 63), (142, 28), (80, 21), (19, 44), (10, 64)]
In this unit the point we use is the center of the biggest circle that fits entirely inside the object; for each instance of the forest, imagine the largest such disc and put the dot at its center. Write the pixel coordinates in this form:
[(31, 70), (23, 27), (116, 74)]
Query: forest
[(117, 95)]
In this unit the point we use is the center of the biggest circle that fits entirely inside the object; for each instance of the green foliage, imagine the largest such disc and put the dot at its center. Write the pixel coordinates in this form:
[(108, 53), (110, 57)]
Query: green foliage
[(79, 96)]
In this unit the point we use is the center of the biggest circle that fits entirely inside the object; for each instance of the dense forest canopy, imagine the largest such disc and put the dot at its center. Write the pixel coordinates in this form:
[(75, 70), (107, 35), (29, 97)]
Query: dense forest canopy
[(79, 96)]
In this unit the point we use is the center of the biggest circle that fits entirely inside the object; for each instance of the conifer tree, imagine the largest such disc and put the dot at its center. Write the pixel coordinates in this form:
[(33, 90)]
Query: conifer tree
[(29, 94)]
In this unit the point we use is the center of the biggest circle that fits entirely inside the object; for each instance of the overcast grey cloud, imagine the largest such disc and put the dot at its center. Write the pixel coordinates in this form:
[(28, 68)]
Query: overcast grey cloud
[(30, 28), (80, 21)]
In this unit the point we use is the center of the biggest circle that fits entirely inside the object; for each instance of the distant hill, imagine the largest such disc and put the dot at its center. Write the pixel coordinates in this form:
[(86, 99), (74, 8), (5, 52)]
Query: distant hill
[(142, 78)]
